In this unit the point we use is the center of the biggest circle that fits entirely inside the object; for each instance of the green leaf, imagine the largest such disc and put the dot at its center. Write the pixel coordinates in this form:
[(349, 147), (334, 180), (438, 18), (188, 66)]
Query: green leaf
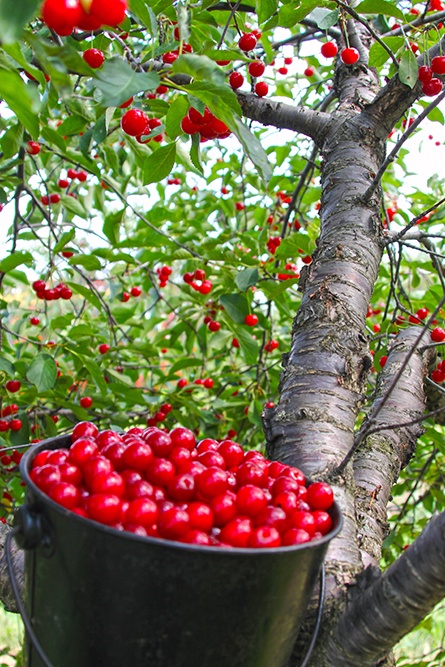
[(20, 100), (73, 205), (199, 67), (86, 293), (89, 262), (195, 153), (246, 278), (13, 18), (112, 224), (184, 363), (7, 367), (253, 149), (176, 112), (159, 164), (236, 306), (72, 125), (408, 68), (16, 259), (265, 9), (53, 138), (12, 140), (66, 238), (324, 18), (97, 374), (289, 15), (145, 14), (42, 372), (379, 7), (378, 55), (117, 81), (249, 346)]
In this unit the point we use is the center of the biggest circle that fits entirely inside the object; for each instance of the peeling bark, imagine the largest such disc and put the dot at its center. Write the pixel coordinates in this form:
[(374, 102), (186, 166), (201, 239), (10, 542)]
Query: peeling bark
[(6, 594)]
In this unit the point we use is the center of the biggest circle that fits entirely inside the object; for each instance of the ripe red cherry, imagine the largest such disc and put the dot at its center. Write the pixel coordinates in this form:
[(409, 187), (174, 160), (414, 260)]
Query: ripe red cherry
[(65, 494), (256, 68), (173, 523), (63, 183), (251, 500), (237, 532), (432, 87), (236, 80), (323, 521), (34, 321), (247, 41), (94, 58), (264, 536), (320, 496), (295, 536), (438, 65), (84, 430), (86, 402), (15, 424), (329, 49), (309, 71), (425, 74), (251, 320), (261, 88), (103, 348), (349, 55), (438, 335), (142, 511), (61, 15), (136, 291), (105, 508), (134, 122), (214, 326), (109, 12), (13, 386), (438, 376), (33, 147)]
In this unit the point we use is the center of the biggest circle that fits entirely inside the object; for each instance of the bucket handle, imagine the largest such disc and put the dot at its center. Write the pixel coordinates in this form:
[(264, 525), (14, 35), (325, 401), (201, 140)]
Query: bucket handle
[(321, 594), (15, 589)]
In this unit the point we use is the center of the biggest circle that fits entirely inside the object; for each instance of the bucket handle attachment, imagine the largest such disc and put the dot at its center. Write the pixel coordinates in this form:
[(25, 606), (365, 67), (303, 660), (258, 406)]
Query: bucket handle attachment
[(27, 541)]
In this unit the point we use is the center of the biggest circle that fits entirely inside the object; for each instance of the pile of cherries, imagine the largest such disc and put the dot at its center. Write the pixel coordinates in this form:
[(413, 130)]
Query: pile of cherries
[(206, 125), (63, 16), (162, 484)]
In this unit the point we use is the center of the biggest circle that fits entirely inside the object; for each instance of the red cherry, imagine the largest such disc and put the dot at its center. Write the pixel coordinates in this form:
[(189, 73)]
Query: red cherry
[(247, 41), (15, 424), (237, 532), (201, 516), (329, 49), (134, 122), (142, 511), (438, 65), (284, 70), (235, 342), (261, 88), (251, 500), (256, 68), (251, 320), (212, 482), (61, 15), (47, 476), (34, 320), (425, 74), (214, 326), (323, 521), (86, 402), (105, 508), (236, 80), (65, 494), (438, 335), (103, 348), (309, 71), (94, 58), (432, 87), (82, 450), (349, 55), (13, 386), (295, 536), (264, 537), (320, 496), (173, 523), (136, 291), (39, 285), (438, 376), (109, 12), (33, 147)]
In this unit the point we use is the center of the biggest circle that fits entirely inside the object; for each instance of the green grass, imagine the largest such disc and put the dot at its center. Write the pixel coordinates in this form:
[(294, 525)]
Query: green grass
[(11, 634)]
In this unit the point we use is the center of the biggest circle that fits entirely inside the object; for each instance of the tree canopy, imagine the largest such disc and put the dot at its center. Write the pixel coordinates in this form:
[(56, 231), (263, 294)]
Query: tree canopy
[(207, 223)]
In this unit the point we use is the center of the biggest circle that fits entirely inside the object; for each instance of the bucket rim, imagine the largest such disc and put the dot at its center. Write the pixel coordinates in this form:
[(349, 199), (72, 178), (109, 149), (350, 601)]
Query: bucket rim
[(57, 441)]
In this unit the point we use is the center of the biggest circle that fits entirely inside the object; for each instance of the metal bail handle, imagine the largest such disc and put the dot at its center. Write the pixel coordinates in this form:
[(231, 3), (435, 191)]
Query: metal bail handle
[(28, 534)]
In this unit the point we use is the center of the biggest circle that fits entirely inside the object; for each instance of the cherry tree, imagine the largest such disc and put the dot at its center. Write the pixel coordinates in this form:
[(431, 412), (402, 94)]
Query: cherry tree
[(208, 194)]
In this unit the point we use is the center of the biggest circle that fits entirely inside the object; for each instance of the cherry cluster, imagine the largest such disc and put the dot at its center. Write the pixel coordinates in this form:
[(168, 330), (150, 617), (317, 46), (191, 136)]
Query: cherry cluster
[(198, 282), (163, 274), (292, 272), (13, 424), (136, 123), (13, 459), (432, 85), (63, 16), (206, 125), (166, 485), (160, 415), (60, 291)]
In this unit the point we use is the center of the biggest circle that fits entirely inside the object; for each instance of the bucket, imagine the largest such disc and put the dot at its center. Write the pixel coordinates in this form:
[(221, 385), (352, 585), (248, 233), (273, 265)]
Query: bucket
[(96, 597)]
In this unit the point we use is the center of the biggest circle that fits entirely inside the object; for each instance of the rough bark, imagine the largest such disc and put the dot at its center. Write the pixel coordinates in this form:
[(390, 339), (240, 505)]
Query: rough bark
[(379, 459), (6, 594), (386, 607)]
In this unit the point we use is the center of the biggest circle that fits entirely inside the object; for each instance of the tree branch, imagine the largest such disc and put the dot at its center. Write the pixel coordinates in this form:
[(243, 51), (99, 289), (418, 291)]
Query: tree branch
[(384, 610), (313, 124)]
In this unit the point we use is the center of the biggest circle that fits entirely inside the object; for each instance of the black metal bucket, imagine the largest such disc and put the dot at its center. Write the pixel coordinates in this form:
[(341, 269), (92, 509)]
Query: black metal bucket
[(97, 597)]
